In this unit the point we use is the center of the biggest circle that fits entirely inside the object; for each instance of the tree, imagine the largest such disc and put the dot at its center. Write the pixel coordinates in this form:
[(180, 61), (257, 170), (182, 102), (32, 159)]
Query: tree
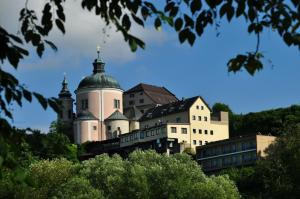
[(217, 107), (146, 174), (280, 169), (275, 121), (247, 181)]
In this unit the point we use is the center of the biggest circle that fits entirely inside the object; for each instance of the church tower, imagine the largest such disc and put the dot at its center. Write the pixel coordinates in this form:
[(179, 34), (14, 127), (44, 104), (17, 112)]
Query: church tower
[(65, 98), (98, 96)]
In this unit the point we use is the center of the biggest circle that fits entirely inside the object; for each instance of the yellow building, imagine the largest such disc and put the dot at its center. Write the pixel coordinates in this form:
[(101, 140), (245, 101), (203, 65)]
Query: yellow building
[(188, 122), (233, 152)]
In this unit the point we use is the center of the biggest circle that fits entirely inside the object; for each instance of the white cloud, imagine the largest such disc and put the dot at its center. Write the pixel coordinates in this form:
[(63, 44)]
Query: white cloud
[(83, 33)]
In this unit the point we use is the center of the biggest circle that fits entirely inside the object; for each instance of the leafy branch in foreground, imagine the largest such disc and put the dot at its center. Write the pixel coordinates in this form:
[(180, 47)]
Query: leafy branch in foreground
[(189, 19)]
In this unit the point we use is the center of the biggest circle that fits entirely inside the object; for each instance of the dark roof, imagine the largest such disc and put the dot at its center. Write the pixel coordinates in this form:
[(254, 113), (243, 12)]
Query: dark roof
[(160, 95), (64, 93), (85, 115), (117, 115), (133, 113), (99, 79), (171, 108)]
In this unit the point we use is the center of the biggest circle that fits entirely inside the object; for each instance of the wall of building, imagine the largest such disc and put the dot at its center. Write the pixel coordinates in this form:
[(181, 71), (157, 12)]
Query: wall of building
[(172, 118), (67, 106), (179, 135), (86, 130), (100, 101), (134, 125), (135, 97), (234, 152), (101, 105), (146, 135), (205, 130), (263, 142), (117, 127)]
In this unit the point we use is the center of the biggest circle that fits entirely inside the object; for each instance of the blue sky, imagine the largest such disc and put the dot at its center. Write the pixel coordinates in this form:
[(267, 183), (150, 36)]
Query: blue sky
[(184, 70)]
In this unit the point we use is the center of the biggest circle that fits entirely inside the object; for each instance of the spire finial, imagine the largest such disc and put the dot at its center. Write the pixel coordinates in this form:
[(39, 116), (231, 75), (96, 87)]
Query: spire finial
[(64, 90), (98, 51), (65, 79)]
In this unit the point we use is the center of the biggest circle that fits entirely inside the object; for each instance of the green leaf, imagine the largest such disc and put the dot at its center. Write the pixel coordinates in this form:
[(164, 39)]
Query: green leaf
[(53, 103), (13, 57), (41, 100), (40, 49), (191, 38), (157, 24), (27, 95), (61, 15), (174, 11), (137, 20), (288, 39), (241, 8), (126, 22), (195, 6), (60, 25), (188, 21), (178, 24), (52, 45), (133, 44), (183, 35), (15, 38)]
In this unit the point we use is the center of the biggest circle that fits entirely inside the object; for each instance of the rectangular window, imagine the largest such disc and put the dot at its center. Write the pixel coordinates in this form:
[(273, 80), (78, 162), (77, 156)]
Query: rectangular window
[(199, 118), (205, 131), (184, 130), (157, 132), (200, 131), (152, 132), (205, 118), (131, 95), (197, 107), (142, 135), (95, 127), (173, 130), (200, 142), (202, 108), (84, 104), (211, 132), (194, 117), (109, 128), (194, 130), (131, 102), (141, 101), (194, 142), (116, 103)]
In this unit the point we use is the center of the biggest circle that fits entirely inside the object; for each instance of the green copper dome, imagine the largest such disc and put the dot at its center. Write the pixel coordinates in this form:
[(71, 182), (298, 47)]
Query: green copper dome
[(99, 79)]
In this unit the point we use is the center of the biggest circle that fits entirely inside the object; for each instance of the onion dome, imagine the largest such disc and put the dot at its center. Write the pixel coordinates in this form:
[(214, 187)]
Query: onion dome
[(99, 79), (64, 93)]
